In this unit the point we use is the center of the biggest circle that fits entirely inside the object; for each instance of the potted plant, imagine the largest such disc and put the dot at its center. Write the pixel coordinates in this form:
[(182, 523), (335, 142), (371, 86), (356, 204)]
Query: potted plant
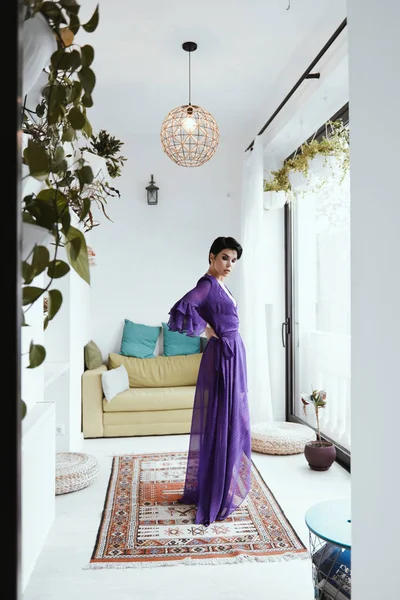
[(320, 454)]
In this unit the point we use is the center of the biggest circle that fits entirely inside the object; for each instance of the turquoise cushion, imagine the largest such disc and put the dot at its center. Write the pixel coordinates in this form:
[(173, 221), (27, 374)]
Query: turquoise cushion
[(176, 343), (139, 340)]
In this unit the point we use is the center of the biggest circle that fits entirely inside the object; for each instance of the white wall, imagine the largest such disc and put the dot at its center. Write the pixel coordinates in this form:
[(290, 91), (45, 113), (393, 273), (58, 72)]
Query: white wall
[(65, 338), (50, 404), (151, 255), (374, 50), (79, 331), (37, 483)]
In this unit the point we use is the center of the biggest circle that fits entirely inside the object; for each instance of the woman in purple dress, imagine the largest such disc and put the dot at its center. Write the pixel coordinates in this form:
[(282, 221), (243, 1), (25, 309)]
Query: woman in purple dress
[(219, 459)]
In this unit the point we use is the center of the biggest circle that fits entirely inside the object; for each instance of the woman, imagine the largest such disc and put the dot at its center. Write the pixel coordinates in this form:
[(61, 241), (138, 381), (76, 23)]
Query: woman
[(219, 459)]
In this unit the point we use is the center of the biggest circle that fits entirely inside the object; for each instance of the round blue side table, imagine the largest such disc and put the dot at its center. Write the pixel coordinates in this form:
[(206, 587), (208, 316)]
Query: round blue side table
[(329, 525)]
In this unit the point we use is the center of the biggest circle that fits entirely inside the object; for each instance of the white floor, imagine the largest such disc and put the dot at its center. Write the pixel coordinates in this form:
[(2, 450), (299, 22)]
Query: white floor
[(59, 573)]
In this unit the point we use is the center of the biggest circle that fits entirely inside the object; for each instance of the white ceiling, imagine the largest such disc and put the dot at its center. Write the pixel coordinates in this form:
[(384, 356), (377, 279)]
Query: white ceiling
[(250, 53)]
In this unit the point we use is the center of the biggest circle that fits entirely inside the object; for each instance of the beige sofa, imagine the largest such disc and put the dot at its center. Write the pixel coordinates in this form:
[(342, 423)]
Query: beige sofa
[(159, 400)]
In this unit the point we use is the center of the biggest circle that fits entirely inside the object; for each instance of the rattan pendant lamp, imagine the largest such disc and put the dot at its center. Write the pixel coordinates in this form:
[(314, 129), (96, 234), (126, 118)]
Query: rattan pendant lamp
[(189, 133)]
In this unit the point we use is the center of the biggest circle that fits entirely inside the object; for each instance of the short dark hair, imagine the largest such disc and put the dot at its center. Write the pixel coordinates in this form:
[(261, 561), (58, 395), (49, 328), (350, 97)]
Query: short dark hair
[(225, 243)]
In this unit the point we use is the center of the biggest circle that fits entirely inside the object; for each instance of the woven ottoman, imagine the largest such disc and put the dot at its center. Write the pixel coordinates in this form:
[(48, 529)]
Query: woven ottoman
[(280, 437), (74, 471)]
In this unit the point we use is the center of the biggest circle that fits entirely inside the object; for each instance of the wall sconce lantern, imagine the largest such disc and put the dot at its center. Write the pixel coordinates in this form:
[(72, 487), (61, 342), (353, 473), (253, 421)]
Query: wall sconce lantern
[(152, 193)]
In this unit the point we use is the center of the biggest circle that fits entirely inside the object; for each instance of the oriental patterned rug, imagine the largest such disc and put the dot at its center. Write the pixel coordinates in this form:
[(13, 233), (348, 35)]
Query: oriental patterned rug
[(143, 525)]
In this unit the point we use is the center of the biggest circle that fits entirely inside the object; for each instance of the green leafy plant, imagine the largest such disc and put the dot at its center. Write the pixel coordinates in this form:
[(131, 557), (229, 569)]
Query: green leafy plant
[(279, 182), (318, 400), (335, 143), (54, 133), (109, 147)]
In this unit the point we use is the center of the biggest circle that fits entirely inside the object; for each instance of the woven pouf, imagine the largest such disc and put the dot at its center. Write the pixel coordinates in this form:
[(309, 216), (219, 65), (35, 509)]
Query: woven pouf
[(74, 471), (280, 437)]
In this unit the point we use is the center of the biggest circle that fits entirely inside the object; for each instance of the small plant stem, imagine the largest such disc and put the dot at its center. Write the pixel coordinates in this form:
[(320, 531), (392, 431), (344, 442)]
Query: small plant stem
[(317, 417)]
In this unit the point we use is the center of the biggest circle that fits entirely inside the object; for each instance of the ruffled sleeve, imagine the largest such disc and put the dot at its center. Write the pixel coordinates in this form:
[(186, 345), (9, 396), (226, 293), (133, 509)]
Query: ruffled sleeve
[(184, 316)]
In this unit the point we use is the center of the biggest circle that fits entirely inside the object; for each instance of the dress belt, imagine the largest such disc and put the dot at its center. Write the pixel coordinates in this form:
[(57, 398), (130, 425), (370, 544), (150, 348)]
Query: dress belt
[(224, 348)]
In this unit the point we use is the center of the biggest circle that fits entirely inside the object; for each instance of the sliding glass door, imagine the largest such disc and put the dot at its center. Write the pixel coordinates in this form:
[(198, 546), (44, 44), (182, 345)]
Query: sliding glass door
[(317, 326)]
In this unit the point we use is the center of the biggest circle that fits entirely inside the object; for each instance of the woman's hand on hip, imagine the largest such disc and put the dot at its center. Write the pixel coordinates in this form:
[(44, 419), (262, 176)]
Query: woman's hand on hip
[(210, 332)]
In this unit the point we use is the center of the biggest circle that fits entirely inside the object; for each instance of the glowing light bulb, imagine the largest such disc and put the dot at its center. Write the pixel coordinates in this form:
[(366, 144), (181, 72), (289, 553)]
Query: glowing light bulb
[(189, 125)]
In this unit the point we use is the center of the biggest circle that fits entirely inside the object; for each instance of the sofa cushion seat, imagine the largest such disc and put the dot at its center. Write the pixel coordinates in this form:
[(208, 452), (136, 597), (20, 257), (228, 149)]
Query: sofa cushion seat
[(148, 399)]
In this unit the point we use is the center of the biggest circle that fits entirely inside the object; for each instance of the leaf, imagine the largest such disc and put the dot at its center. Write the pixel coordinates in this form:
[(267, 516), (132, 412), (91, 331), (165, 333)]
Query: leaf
[(69, 134), (23, 409), (87, 128), (56, 102), (75, 60), (87, 100), (85, 175), (77, 252), (74, 247), (57, 268), (51, 10), (87, 55), (40, 259), (59, 156), (37, 354), (54, 200), (56, 57), (91, 25), (85, 209), (87, 79), (75, 91), (74, 24), (55, 302), (40, 110), (76, 118), (37, 160), (64, 61), (66, 220), (30, 294), (27, 217), (28, 273), (61, 168)]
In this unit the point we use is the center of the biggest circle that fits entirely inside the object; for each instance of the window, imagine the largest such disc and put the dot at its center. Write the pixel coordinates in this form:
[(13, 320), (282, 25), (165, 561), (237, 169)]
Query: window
[(319, 303)]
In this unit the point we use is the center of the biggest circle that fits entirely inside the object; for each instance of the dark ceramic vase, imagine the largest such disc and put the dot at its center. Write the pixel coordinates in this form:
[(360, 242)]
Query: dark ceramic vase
[(320, 455)]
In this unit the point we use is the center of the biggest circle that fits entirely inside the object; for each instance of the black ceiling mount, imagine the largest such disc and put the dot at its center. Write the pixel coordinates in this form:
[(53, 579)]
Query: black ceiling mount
[(189, 46)]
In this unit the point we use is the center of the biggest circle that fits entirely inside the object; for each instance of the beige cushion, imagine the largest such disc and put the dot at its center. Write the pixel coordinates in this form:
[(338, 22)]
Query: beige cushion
[(156, 422), (74, 471), (280, 437), (148, 399), (161, 371), (92, 355)]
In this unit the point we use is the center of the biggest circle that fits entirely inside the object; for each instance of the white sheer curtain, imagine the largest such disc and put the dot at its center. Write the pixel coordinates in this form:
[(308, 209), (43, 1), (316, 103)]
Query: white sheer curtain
[(253, 325), (323, 290)]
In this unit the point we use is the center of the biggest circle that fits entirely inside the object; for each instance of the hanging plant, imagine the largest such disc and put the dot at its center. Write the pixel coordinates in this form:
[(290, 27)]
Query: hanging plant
[(53, 134), (335, 144), (276, 191)]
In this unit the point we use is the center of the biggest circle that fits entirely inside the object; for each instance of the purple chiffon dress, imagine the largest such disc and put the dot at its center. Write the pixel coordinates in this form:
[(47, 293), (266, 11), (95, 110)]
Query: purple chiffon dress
[(219, 458)]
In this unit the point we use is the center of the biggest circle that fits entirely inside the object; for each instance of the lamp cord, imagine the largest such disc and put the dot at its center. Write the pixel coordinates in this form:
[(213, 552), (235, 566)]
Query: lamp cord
[(190, 100)]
